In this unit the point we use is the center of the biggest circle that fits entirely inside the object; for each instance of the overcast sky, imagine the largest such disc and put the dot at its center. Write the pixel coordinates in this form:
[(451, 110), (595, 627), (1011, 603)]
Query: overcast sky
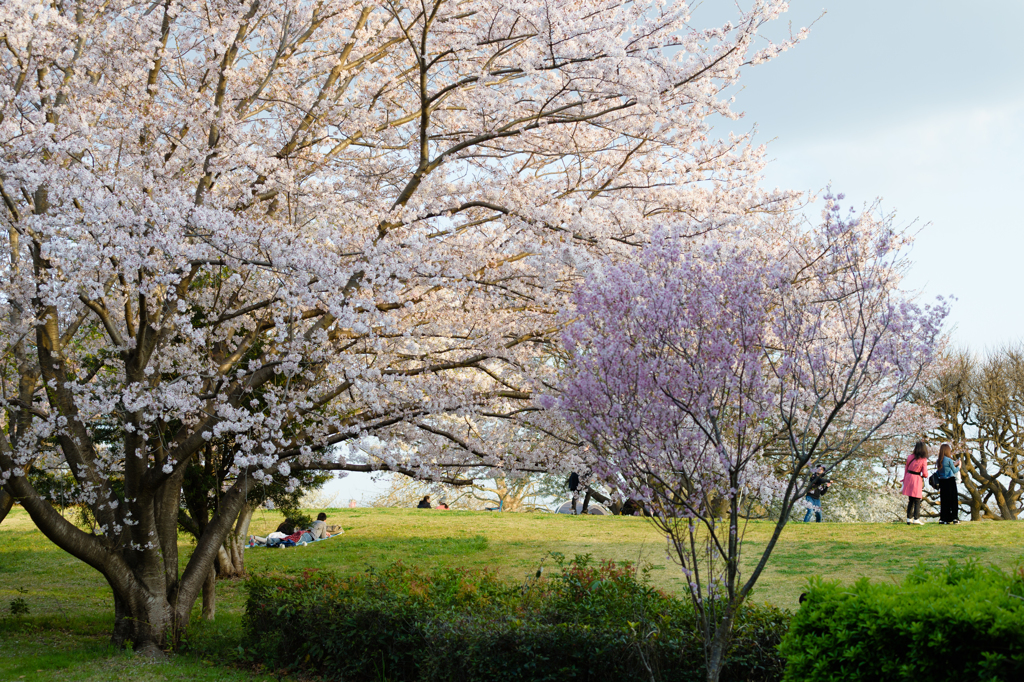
[(919, 103)]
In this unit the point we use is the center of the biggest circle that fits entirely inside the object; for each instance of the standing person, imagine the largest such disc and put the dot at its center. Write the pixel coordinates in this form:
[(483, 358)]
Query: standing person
[(949, 504), (913, 482), (816, 487), (573, 484), (424, 503)]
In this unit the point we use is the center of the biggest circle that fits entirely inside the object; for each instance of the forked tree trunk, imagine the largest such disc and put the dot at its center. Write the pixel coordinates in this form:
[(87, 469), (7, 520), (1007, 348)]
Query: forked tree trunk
[(153, 599), (230, 562), (146, 621), (6, 503), (230, 556)]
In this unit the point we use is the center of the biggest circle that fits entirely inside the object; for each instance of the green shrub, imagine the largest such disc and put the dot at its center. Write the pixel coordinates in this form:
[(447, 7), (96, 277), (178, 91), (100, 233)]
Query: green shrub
[(591, 621), (19, 607), (959, 622)]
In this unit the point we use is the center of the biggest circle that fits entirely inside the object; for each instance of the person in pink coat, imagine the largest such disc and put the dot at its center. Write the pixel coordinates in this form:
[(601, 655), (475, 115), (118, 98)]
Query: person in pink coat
[(913, 482)]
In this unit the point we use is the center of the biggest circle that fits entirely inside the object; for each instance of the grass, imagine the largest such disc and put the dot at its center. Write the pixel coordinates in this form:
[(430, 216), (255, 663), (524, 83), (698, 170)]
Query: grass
[(65, 635)]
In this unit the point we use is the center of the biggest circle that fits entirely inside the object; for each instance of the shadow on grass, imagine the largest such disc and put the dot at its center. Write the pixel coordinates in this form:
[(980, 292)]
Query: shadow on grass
[(78, 649)]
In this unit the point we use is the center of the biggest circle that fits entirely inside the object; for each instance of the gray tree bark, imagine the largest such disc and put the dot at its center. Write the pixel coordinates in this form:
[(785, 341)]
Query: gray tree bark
[(6, 504)]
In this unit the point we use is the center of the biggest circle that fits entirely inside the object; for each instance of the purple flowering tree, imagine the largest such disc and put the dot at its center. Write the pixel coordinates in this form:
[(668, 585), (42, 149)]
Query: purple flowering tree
[(689, 365)]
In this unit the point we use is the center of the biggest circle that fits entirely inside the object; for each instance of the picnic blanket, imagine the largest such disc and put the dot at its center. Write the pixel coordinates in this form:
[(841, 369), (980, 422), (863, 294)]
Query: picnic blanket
[(293, 540)]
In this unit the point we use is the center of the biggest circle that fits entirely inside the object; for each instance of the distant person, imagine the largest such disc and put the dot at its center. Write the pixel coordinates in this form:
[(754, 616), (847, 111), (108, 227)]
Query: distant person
[(319, 528), (424, 503), (352, 504), (913, 482), (572, 484), (816, 487), (287, 527), (443, 504), (949, 503)]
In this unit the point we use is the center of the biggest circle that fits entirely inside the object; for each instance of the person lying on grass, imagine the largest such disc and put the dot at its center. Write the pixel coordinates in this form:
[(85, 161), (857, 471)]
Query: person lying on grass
[(318, 531)]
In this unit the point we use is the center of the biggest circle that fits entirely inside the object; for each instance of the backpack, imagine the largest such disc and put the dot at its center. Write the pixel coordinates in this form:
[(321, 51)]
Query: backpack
[(933, 480)]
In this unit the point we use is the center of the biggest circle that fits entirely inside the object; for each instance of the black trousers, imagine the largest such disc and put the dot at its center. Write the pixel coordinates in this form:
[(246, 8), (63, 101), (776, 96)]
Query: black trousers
[(913, 507), (949, 502)]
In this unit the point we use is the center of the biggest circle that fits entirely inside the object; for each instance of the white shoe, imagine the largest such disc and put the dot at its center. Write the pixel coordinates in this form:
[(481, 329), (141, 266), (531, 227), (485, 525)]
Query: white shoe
[(918, 522), (909, 521)]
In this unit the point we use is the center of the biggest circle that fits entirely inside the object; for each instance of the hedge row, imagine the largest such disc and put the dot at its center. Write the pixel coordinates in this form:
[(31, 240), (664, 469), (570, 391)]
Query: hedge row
[(961, 622), (589, 622)]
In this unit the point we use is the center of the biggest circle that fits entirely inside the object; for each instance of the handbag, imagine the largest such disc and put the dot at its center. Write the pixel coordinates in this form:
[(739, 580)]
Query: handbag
[(933, 480)]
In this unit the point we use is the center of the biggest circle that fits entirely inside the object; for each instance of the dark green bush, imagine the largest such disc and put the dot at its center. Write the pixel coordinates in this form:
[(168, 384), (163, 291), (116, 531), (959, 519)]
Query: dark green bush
[(591, 621), (960, 622), (19, 607)]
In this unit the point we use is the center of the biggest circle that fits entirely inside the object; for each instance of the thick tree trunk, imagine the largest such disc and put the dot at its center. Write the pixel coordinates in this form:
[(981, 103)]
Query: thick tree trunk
[(1006, 512), (144, 621), (152, 603), (974, 500), (6, 504), (230, 556), (210, 595)]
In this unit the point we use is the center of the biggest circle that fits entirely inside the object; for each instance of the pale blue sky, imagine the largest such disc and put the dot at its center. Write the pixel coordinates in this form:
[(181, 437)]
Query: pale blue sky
[(920, 103)]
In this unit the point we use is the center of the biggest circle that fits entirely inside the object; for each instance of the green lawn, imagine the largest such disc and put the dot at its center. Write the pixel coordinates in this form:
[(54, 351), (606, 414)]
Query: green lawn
[(64, 637)]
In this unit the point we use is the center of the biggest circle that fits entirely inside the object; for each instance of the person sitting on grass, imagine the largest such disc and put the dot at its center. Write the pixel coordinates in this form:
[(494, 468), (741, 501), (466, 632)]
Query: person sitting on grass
[(443, 504), (817, 487), (424, 503), (319, 528)]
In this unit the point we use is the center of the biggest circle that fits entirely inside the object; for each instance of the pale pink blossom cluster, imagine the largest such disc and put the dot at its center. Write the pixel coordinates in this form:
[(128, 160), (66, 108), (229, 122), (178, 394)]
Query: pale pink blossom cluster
[(286, 224)]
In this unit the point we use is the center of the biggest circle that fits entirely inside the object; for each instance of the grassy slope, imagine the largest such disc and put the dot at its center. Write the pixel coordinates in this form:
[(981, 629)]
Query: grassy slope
[(65, 635)]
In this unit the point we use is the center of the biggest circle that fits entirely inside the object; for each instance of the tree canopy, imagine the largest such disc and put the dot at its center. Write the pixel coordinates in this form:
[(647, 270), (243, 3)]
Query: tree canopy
[(287, 224)]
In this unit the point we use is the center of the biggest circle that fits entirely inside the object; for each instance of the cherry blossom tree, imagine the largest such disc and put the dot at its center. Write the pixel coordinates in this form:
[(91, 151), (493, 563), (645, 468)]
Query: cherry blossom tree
[(288, 224), (686, 366)]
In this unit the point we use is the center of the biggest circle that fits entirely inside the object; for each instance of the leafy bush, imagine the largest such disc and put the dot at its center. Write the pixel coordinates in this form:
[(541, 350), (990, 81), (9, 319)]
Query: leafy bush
[(591, 621), (959, 622), (19, 607)]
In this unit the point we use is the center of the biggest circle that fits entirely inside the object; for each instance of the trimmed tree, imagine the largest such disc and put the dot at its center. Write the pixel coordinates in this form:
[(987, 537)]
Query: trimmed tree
[(685, 366)]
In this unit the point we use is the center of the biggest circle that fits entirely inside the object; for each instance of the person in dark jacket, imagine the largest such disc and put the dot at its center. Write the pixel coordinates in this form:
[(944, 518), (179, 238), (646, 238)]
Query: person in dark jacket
[(817, 486), (424, 503), (949, 502)]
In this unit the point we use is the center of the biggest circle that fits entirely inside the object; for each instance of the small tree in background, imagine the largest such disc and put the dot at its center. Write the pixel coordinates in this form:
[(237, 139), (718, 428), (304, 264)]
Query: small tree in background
[(687, 364), (509, 493), (980, 405)]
